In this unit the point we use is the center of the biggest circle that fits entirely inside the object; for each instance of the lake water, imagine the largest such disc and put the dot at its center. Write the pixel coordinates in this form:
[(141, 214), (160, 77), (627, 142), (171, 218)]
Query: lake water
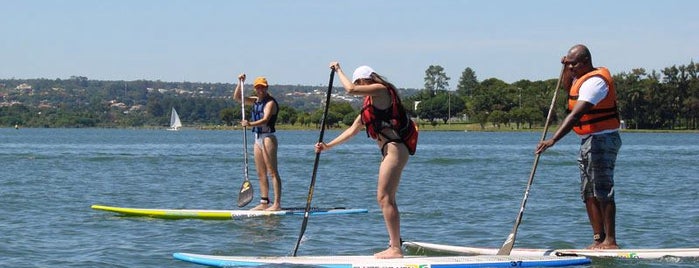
[(461, 188)]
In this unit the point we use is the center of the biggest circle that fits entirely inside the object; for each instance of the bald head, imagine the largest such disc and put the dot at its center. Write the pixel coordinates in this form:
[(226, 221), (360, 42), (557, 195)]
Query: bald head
[(578, 61), (580, 53)]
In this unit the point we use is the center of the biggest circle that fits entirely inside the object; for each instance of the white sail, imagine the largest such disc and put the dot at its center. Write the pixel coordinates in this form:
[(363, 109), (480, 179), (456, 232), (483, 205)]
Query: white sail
[(175, 123)]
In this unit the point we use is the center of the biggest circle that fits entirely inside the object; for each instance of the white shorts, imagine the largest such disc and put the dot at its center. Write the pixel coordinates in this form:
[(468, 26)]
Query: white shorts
[(260, 137)]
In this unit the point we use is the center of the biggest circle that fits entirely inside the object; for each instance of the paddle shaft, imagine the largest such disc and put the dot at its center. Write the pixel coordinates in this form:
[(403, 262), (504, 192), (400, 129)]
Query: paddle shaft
[(245, 130), (315, 164), (510, 241)]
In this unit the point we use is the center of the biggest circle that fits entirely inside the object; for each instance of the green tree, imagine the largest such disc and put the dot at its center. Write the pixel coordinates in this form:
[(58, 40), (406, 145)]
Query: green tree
[(518, 116), (468, 83), (498, 118), (348, 119), (532, 115), (630, 96), (441, 106), (435, 79), (287, 115), (430, 109), (342, 108), (229, 115), (331, 120), (481, 117), (488, 97)]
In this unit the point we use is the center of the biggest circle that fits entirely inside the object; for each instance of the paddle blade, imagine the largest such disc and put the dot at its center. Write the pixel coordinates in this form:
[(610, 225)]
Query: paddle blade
[(508, 245), (245, 194)]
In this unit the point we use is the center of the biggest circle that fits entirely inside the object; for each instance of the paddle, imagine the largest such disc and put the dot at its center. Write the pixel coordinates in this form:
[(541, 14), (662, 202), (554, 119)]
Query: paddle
[(510, 241), (315, 164), (246, 191)]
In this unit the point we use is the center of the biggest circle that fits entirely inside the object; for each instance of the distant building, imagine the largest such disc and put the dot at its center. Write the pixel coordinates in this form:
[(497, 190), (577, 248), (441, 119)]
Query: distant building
[(24, 88)]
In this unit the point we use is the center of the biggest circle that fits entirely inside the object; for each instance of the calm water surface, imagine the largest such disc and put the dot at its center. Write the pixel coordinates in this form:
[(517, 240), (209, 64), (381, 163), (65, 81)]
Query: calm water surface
[(461, 188)]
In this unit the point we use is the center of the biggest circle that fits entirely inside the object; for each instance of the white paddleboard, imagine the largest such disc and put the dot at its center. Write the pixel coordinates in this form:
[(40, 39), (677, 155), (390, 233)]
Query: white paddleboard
[(372, 262), (645, 253)]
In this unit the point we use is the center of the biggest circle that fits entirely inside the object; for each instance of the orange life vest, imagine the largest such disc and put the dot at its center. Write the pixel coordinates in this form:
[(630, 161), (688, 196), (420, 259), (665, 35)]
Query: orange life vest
[(603, 115), (394, 117)]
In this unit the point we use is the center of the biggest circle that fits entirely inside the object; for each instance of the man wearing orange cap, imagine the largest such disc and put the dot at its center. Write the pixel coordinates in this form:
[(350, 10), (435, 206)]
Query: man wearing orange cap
[(262, 120)]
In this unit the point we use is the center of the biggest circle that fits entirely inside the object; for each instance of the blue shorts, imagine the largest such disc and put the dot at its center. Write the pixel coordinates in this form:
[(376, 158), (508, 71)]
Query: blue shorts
[(597, 160)]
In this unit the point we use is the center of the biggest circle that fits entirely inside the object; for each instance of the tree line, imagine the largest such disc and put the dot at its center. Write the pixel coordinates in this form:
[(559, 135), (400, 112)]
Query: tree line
[(664, 100), (668, 99)]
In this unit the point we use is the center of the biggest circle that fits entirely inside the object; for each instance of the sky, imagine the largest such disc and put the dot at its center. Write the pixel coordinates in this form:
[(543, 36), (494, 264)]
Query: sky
[(292, 42)]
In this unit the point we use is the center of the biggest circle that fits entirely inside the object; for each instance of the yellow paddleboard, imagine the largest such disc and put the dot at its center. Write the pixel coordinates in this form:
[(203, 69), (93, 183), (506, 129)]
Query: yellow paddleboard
[(212, 214)]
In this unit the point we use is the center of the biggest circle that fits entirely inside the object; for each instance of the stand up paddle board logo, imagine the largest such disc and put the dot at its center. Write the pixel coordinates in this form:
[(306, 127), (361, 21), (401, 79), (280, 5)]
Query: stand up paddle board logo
[(630, 255), (246, 186)]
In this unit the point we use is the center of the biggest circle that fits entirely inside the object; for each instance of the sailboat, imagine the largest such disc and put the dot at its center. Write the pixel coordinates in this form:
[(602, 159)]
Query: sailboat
[(175, 123)]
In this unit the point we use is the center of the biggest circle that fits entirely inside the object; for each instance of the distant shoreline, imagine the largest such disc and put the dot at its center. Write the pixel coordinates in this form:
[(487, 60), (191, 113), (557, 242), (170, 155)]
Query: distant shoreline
[(456, 127)]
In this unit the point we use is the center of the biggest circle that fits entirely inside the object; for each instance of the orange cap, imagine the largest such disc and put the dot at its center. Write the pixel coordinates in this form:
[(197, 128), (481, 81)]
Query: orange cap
[(260, 81)]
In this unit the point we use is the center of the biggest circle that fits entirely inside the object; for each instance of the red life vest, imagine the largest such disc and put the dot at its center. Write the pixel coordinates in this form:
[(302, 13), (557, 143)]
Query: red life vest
[(394, 117), (603, 115)]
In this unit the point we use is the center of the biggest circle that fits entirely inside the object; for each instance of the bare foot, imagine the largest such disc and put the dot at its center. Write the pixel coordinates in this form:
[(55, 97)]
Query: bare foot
[(607, 245), (594, 245), (390, 253), (274, 207), (260, 207)]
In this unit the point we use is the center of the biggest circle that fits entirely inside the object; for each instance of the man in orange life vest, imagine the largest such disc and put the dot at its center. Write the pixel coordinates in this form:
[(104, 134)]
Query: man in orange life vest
[(593, 116)]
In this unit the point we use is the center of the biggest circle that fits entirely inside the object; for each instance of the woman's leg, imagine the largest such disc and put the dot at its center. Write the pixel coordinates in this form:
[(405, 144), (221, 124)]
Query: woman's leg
[(262, 176), (270, 158), (389, 178)]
